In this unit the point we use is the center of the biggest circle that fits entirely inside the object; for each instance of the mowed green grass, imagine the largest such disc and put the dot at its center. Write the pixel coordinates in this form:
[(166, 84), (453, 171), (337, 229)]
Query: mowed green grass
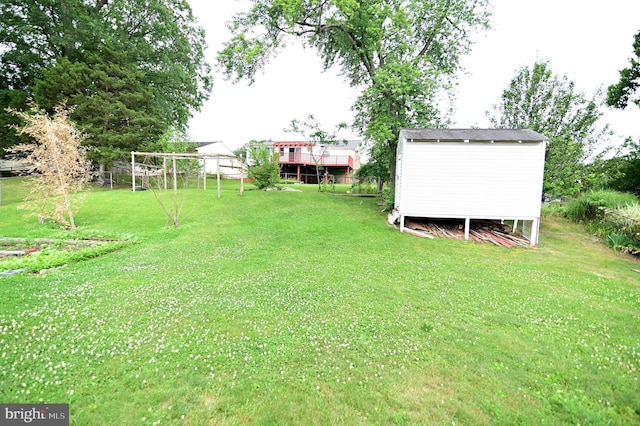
[(305, 308)]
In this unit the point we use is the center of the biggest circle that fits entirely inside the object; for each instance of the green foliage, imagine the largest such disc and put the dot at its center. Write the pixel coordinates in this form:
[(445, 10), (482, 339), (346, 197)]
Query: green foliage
[(609, 199), (242, 153), (402, 54), (612, 215), (624, 169), (619, 94), (176, 140), (619, 240), (388, 197), (401, 96), (588, 205), (60, 253), (556, 208), (630, 210), (373, 171), (131, 67), (114, 104), (582, 210), (264, 166), (364, 186), (17, 100), (538, 99)]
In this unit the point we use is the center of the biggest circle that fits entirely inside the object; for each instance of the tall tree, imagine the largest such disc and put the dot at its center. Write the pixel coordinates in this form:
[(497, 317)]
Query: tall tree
[(627, 165), (400, 52), (114, 105), (15, 99), (619, 94), (550, 104), (157, 39)]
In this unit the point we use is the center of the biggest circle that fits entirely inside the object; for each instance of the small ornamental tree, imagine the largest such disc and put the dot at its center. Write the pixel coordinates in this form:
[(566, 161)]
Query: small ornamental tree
[(58, 163), (264, 166)]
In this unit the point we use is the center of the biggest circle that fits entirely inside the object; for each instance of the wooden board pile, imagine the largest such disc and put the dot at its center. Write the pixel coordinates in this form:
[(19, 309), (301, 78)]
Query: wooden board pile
[(481, 231)]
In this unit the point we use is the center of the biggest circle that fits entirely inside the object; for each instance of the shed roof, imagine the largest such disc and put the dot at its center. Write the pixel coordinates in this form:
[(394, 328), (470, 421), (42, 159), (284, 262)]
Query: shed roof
[(476, 135)]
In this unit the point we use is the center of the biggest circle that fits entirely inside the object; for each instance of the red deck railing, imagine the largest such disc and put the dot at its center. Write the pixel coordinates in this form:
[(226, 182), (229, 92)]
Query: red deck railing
[(325, 160)]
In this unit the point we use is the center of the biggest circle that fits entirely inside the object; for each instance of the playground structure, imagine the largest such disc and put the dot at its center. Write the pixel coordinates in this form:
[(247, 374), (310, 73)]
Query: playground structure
[(146, 170)]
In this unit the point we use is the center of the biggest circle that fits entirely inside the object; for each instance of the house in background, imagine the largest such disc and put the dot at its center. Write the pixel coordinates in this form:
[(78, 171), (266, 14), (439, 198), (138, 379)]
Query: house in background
[(299, 161), (230, 166), (471, 174), (13, 167)]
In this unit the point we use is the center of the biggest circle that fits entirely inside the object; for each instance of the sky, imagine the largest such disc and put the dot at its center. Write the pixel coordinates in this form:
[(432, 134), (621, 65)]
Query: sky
[(588, 40)]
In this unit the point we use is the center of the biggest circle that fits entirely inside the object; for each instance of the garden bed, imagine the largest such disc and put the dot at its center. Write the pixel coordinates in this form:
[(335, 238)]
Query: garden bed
[(37, 255)]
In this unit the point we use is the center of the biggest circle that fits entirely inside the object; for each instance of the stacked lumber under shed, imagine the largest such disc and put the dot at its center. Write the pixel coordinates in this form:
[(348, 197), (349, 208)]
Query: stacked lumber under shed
[(481, 231)]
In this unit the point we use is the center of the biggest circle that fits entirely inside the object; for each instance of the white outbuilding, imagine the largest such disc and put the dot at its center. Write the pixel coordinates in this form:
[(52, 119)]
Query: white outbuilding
[(471, 174), (221, 159)]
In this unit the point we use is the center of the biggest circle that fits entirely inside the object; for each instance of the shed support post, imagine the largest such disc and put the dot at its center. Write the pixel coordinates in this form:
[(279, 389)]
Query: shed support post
[(401, 223), (467, 223), (535, 226)]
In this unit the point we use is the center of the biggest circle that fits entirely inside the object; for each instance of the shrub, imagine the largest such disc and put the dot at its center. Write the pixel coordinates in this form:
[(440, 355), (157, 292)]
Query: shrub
[(582, 210), (365, 185), (589, 206), (554, 208), (610, 199), (611, 215), (388, 198), (265, 170), (631, 211)]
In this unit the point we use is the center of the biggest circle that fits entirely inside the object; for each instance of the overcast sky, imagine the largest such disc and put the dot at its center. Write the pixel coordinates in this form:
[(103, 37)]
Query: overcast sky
[(589, 40)]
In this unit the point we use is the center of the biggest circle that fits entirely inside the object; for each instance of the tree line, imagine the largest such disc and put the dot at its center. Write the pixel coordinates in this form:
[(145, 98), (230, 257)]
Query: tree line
[(135, 69), (132, 69), (404, 55)]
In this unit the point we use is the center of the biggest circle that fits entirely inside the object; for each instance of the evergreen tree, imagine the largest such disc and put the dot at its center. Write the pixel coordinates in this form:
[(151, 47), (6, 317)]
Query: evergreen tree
[(114, 106), (159, 75)]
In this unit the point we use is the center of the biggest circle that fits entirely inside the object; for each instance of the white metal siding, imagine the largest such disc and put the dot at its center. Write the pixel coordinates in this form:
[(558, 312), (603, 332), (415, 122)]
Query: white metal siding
[(476, 179), (397, 196)]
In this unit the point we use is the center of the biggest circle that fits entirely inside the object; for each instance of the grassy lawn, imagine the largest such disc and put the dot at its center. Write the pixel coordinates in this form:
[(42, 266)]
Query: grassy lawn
[(305, 308)]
